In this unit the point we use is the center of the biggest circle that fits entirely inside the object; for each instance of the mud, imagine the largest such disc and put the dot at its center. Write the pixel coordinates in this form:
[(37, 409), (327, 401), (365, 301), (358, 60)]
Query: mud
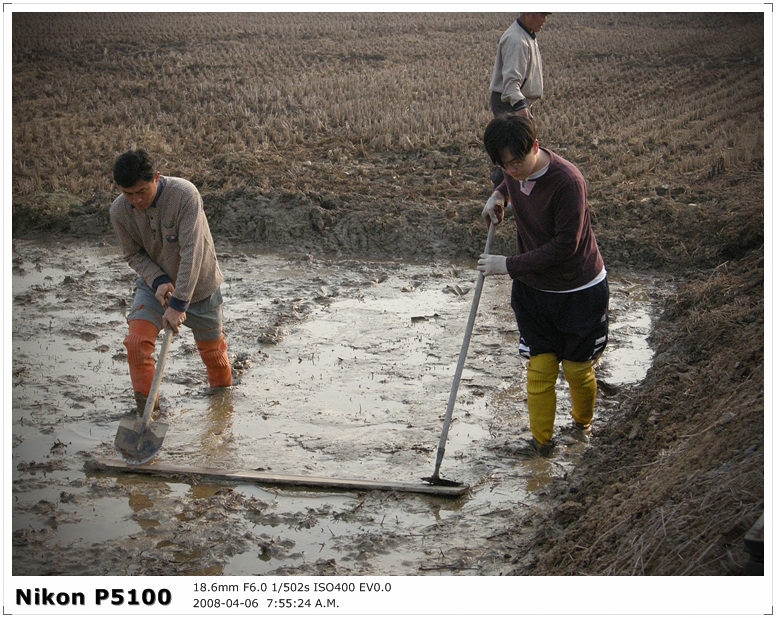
[(343, 368)]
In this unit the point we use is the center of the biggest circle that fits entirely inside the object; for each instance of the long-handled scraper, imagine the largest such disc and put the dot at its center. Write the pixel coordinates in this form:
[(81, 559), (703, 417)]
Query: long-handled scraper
[(435, 479)]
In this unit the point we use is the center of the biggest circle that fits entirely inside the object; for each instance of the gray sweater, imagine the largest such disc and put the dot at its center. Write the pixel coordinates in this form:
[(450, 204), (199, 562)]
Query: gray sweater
[(517, 72), (170, 241)]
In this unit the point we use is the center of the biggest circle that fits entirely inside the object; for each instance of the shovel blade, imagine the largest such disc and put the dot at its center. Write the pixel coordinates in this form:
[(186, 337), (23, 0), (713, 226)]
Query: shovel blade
[(440, 482), (137, 444)]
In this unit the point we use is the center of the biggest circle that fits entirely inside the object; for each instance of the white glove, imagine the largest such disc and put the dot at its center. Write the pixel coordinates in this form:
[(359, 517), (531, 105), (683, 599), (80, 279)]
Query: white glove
[(494, 209), (492, 264)]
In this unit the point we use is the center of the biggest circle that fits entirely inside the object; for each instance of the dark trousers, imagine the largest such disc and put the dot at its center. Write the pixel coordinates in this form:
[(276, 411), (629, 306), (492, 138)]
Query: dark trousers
[(573, 326), (497, 106)]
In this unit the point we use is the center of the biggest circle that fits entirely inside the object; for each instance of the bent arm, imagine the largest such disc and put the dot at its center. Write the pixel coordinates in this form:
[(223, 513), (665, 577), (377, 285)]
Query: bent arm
[(134, 253), (569, 220), (515, 58)]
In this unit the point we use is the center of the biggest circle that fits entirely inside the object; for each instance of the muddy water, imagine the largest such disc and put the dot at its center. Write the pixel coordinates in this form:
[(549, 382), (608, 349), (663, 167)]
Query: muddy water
[(343, 369)]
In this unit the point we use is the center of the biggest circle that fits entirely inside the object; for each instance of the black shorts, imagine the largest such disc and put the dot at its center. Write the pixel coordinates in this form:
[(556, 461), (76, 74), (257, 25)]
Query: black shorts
[(573, 325)]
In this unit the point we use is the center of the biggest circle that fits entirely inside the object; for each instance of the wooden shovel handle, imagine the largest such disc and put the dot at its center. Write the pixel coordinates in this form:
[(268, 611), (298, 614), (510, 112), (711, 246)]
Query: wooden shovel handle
[(160, 362)]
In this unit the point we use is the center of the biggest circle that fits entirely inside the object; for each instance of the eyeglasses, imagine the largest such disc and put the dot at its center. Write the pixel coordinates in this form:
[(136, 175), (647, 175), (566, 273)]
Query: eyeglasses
[(512, 164)]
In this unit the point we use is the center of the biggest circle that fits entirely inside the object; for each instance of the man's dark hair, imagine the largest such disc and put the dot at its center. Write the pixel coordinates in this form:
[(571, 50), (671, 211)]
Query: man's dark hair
[(133, 167), (511, 131)]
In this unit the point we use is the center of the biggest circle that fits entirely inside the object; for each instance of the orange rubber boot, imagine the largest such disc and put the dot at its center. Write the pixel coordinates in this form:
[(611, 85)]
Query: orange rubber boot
[(213, 353), (140, 344)]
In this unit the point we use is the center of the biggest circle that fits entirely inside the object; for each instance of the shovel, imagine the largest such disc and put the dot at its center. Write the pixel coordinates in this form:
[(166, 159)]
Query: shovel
[(435, 479), (139, 440)]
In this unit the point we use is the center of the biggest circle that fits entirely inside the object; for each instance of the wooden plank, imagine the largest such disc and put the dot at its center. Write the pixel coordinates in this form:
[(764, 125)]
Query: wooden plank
[(264, 478)]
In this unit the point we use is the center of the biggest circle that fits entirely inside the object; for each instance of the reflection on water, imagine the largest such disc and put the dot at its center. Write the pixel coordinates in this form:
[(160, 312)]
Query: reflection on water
[(217, 426), (537, 472)]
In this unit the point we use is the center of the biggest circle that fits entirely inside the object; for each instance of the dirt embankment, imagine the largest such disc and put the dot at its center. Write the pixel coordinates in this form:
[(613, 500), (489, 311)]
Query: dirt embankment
[(677, 477)]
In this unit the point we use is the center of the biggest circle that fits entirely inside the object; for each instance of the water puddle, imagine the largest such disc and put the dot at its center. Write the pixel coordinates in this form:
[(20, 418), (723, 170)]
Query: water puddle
[(343, 370)]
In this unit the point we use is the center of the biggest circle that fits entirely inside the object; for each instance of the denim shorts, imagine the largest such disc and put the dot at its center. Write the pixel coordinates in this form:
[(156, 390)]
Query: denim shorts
[(574, 325), (204, 318)]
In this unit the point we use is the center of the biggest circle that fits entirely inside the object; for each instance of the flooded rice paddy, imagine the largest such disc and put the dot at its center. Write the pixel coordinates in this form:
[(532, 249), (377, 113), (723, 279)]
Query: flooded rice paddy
[(343, 369)]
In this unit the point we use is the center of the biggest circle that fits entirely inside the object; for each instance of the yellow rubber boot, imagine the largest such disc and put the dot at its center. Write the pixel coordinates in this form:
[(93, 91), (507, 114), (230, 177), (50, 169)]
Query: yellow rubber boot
[(213, 353), (582, 388), (542, 374)]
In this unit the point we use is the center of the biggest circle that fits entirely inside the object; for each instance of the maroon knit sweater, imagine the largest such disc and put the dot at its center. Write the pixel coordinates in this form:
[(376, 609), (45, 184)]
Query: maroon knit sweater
[(556, 247)]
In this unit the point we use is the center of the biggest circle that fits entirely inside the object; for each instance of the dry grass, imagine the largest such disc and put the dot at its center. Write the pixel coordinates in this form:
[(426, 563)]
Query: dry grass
[(194, 88), (218, 96)]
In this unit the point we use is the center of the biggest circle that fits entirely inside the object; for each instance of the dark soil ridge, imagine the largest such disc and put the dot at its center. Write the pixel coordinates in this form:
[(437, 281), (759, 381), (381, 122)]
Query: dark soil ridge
[(676, 477), (688, 224)]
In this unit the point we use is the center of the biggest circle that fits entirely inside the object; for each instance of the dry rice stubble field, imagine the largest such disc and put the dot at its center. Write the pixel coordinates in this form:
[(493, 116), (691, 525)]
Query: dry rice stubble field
[(360, 134)]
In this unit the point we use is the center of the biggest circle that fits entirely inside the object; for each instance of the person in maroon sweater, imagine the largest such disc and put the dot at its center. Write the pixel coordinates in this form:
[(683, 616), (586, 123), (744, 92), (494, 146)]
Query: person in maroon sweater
[(560, 293)]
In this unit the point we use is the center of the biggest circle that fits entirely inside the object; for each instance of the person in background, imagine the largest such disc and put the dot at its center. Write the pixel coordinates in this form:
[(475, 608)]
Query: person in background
[(560, 293), (165, 238), (517, 82)]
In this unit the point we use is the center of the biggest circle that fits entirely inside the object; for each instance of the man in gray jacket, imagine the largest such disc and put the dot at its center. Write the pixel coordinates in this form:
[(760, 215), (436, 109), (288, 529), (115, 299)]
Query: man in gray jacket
[(517, 83), (165, 238)]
